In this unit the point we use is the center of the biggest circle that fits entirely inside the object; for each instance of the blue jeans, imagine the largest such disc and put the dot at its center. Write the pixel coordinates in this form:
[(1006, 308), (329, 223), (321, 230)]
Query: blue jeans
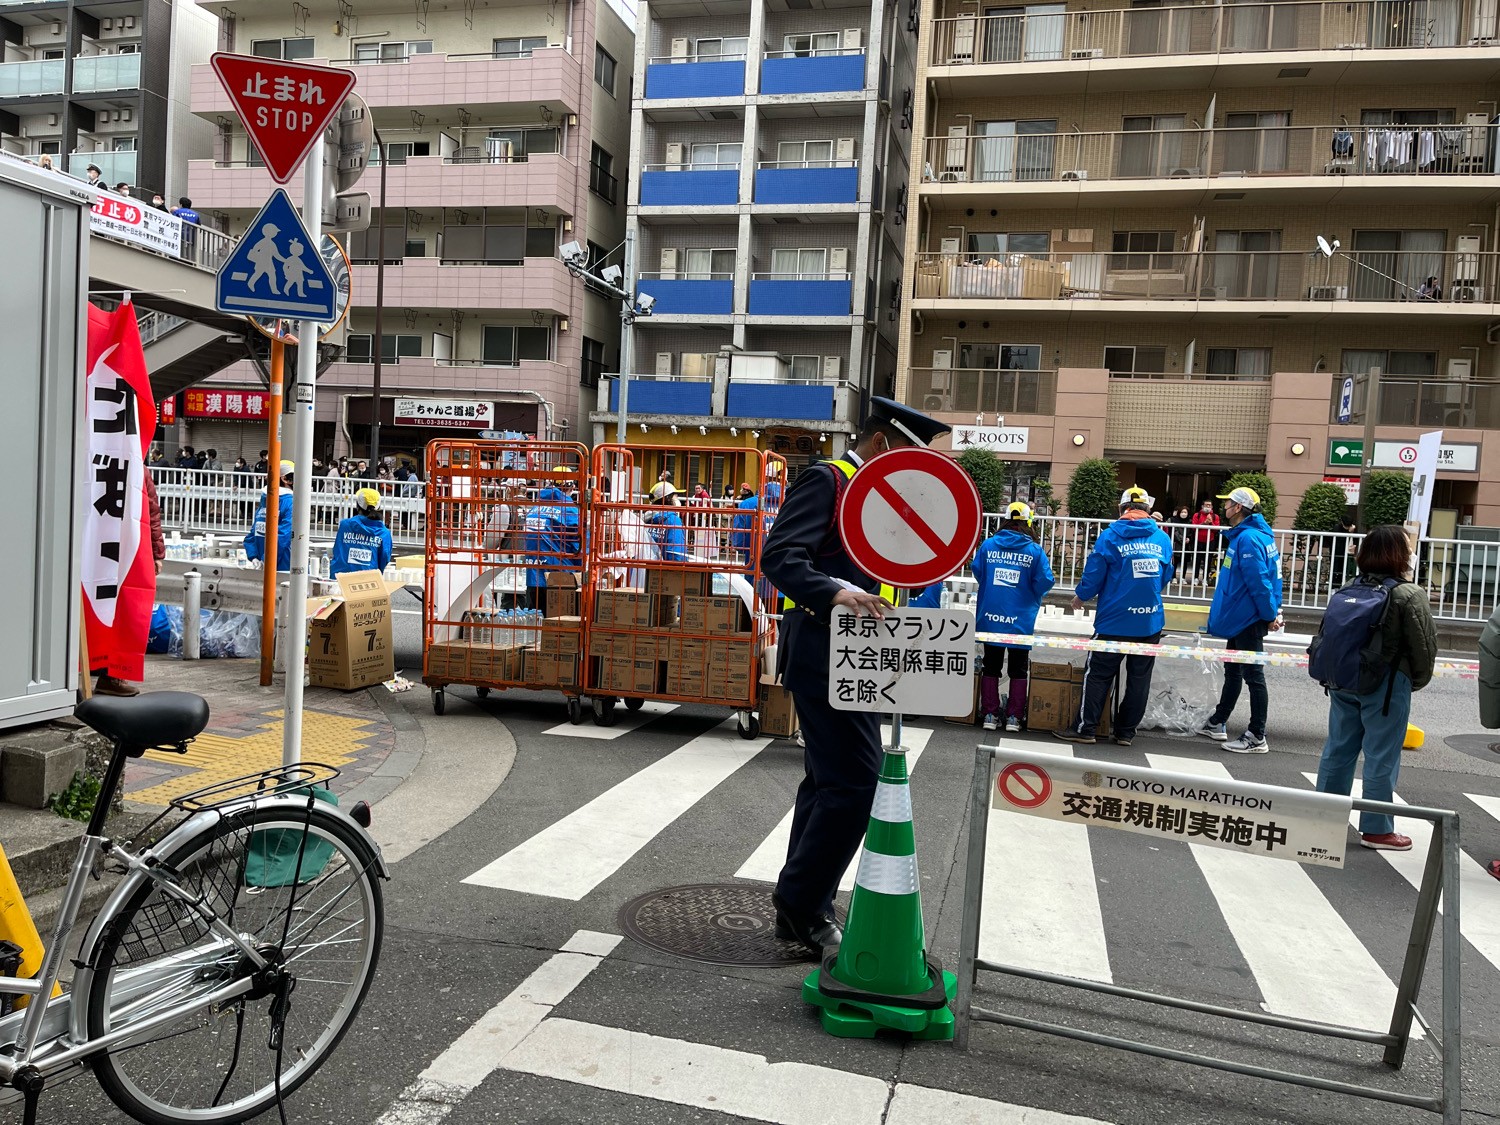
[(1355, 723)]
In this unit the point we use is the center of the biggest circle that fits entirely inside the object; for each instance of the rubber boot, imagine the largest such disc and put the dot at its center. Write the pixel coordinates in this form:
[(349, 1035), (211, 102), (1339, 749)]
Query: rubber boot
[(1017, 708), (989, 696)]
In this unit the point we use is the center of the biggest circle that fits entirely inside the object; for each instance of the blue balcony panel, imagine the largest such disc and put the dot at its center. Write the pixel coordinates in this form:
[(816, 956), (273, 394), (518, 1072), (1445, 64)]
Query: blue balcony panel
[(689, 189), (792, 401), (823, 74), (806, 185), (771, 297), (695, 79), (664, 396), (677, 295)]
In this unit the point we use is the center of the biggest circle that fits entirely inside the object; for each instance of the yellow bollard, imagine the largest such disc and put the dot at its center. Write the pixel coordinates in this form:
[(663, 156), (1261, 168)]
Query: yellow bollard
[(16, 925), (1415, 737)]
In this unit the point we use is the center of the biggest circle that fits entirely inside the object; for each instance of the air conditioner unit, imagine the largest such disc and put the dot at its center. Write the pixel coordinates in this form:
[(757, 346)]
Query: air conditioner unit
[(833, 366), (1468, 294), (1328, 293), (950, 246), (664, 364), (838, 262), (843, 151), (679, 48), (853, 38), (1186, 173), (935, 402), (1460, 368), (669, 264), (1213, 292), (1087, 53), (674, 155), (1075, 175), (956, 154), (963, 40)]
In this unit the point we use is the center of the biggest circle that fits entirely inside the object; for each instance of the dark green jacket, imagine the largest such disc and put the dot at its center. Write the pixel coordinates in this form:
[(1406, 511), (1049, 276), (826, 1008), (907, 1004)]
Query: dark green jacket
[(1408, 636)]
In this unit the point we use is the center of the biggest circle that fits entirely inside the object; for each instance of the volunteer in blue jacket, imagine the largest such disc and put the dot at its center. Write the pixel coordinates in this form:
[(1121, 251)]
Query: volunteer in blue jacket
[(551, 541), (1129, 567), (1247, 605), (741, 528), (667, 531), (1013, 576), (255, 541), (363, 541)]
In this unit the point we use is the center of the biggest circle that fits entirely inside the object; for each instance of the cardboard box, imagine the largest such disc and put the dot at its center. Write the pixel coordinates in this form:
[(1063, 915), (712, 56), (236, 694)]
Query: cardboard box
[(676, 583), (778, 713), (625, 608), (349, 638), (562, 635), (561, 602), (727, 614), (1056, 696), (448, 660), (973, 716), (664, 610)]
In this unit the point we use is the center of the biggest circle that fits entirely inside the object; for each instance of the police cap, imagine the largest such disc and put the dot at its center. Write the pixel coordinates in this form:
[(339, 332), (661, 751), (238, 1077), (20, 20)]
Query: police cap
[(917, 427)]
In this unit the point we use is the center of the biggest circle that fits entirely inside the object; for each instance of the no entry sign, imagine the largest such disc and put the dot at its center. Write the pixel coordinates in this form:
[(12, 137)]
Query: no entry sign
[(285, 106), (1024, 784), (910, 517)]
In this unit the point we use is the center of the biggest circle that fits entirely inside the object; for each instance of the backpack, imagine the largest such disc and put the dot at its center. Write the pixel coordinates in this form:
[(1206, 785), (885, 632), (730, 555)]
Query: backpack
[(1346, 655)]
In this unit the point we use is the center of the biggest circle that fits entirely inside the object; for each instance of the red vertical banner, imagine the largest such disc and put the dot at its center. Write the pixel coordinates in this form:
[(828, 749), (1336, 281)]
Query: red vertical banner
[(119, 580)]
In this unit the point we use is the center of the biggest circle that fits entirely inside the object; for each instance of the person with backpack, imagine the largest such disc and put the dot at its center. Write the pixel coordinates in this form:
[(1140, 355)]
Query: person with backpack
[(1376, 646), (1013, 576), (1247, 605), (1128, 569)]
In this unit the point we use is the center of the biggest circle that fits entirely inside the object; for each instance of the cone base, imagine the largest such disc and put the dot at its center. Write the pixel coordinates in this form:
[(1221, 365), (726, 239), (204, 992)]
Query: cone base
[(858, 1019)]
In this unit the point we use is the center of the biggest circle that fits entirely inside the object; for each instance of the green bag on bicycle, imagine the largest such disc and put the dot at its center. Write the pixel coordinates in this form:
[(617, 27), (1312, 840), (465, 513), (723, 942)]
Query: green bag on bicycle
[(271, 860)]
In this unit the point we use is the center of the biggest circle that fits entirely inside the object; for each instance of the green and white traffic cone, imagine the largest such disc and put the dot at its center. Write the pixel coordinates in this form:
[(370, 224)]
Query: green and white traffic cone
[(881, 976)]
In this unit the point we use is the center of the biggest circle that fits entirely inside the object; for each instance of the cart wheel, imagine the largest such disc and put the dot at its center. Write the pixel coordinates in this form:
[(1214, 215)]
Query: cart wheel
[(439, 701), (634, 704), (575, 710), (604, 711), (482, 692), (750, 729)]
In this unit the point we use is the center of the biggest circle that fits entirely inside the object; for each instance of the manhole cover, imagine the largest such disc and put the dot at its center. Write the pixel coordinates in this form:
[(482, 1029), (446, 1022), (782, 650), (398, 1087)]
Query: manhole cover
[(717, 923), (1482, 746)]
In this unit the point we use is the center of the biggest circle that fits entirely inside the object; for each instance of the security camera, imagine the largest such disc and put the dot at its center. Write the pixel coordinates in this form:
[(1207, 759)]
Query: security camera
[(573, 253), (612, 274), (645, 303)]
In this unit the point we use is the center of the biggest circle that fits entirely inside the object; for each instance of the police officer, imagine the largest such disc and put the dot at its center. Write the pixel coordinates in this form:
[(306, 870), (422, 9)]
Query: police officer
[(255, 540), (805, 558), (363, 541)]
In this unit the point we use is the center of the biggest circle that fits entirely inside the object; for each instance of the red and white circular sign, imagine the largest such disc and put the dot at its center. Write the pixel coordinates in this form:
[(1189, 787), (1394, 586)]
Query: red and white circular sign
[(910, 517), (1024, 785), (1408, 454)]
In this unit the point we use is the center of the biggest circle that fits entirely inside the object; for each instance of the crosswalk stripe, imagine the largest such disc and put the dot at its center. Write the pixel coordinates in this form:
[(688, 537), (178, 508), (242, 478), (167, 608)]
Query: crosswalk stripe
[(1041, 898), (1306, 959), (1489, 804), (1479, 909), (574, 855), (626, 722), (923, 1105), (765, 862)]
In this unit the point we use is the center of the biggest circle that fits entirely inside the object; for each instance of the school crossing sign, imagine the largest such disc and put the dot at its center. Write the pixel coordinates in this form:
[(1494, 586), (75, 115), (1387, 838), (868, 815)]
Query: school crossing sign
[(276, 269)]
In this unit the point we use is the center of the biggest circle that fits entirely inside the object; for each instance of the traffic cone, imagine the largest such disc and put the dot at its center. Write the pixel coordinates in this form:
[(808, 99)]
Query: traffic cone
[(1415, 737), (881, 976)]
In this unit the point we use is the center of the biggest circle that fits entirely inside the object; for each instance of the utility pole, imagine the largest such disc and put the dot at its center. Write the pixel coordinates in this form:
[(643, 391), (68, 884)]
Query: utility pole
[(379, 317), (627, 338), (617, 282)]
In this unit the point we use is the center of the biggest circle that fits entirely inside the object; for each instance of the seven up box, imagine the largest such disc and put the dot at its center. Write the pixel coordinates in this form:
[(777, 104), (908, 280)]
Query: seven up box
[(349, 637)]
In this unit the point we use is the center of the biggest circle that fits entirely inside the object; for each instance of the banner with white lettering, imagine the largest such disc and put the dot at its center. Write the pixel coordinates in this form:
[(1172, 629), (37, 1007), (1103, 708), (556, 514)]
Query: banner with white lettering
[(119, 581), (1266, 820)]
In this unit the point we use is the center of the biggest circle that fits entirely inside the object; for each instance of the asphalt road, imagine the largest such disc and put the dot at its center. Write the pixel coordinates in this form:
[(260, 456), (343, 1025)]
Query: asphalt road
[(473, 989)]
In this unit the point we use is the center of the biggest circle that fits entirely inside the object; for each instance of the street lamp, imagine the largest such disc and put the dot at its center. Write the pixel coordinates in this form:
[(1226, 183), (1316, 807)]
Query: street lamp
[(619, 283)]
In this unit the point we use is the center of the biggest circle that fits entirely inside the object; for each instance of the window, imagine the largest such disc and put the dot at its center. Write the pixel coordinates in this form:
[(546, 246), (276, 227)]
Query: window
[(541, 242), (805, 154), (604, 69), (697, 365), (807, 368), (364, 245), (1250, 362), (808, 264), (506, 346), (593, 364), (520, 48), (285, 49), (392, 347), (1393, 265), (505, 146), (51, 148), (128, 49), (122, 144), (1034, 244), (1359, 361), (707, 154), (1005, 357), (711, 50), (1256, 142), (1014, 150), (817, 43), (708, 265), (597, 254), (398, 152), (1142, 250), (1159, 146), (398, 51), (601, 183), (1127, 360), (415, 248), (1406, 117), (53, 53)]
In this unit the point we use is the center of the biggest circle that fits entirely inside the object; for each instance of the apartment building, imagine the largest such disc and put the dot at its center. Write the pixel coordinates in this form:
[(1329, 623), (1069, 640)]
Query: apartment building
[(103, 84), (1166, 234), (506, 132), (769, 163)]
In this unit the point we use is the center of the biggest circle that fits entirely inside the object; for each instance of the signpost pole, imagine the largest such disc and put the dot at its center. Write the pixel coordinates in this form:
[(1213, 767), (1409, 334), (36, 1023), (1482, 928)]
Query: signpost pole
[(307, 373), (273, 502), (627, 337), (897, 745), (1367, 454)]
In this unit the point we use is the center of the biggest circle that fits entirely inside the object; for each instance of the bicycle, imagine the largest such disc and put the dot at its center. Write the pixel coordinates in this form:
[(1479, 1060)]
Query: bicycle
[(263, 891)]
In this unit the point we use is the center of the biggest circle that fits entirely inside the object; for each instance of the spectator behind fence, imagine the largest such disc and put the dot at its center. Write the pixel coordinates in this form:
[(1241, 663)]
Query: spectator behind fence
[(122, 188), (1430, 290), (95, 177), (186, 458), (1205, 521)]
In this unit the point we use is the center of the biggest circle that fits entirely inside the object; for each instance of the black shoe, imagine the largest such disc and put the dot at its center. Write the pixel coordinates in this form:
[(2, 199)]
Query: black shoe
[(1123, 739), (1072, 735), (819, 934)]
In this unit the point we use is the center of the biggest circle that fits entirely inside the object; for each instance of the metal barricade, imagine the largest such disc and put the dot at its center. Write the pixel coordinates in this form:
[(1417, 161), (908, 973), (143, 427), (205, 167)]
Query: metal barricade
[(678, 607), (1029, 781), (506, 524)]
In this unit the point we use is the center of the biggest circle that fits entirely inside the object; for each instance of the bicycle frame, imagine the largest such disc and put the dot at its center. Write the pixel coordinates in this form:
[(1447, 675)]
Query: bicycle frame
[(53, 1036)]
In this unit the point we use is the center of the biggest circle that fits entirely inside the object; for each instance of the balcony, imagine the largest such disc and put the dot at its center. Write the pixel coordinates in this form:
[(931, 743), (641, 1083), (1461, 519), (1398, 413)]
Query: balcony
[(1216, 284), (114, 167), (1411, 401), (32, 79), (688, 79), (823, 72), (664, 396), (699, 185), (1104, 47), (1308, 164), (1188, 416), (801, 181), (793, 295), (427, 374), (100, 73), (794, 402), (982, 391), (711, 295), (535, 283)]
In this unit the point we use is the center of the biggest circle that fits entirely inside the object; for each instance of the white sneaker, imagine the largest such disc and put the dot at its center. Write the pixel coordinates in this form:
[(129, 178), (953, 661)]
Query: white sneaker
[(1012, 726), (992, 722), (1214, 731), (1248, 743)]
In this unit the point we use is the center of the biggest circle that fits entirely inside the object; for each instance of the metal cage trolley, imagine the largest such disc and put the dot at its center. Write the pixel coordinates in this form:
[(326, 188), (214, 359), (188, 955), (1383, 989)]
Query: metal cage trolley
[(679, 609), (506, 526)]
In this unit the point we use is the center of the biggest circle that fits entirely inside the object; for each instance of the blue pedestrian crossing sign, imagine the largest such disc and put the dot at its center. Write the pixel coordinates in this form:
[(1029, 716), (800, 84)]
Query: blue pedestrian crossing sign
[(276, 269)]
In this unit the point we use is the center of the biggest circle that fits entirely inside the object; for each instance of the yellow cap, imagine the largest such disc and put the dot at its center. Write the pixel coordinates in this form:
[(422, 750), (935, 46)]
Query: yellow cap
[(288, 468), (1019, 511), (367, 498), (1244, 497)]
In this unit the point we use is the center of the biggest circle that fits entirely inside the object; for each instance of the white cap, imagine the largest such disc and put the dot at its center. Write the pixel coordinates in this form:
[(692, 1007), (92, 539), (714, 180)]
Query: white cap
[(1137, 495)]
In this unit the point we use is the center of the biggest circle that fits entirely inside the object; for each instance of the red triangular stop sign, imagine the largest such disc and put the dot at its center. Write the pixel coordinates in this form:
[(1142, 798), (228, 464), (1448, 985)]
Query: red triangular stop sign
[(285, 105)]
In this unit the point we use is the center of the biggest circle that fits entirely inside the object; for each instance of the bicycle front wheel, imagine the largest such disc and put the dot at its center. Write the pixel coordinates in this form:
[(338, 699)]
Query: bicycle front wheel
[(313, 906)]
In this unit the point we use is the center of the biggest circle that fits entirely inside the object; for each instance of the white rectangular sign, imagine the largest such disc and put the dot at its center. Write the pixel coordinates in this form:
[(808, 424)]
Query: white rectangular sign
[(913, 661), (1350, 485), (1002, 439), (1265, 820), (1456, 458), (447, 412), (130, 220), (1424, 475)]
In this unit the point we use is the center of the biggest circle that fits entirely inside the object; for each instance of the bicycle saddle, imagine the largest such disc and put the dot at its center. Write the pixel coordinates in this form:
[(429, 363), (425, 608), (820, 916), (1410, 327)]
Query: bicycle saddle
[(156, 718)]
